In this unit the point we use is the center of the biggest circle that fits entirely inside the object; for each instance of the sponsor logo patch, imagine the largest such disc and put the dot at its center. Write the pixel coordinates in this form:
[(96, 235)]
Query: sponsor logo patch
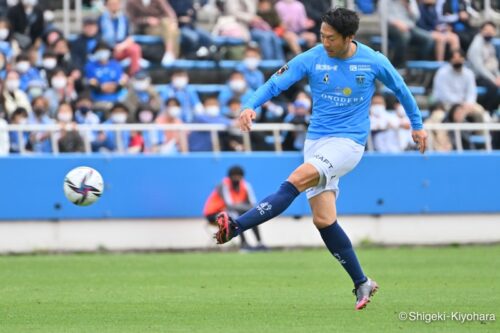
[(282, 70)]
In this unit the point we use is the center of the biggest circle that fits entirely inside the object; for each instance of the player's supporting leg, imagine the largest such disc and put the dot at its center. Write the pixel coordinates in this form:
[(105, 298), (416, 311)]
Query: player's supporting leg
[(340, 246), (302, 178)]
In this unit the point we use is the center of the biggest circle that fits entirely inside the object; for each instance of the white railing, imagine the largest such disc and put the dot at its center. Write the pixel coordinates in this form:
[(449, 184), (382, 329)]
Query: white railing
[(276, 130)]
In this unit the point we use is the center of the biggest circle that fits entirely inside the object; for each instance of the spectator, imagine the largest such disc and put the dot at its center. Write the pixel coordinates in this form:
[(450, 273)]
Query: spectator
[(19, 117), (40, 140), (105, 76), (156, 17), (35, 89), (13, 97), (85, 115), (299, 114), (236, 87), (234, 135), (48, 65), (108, 141), (61, 90), (3, 66), (455, 13), (26, 71), (68, 139), (441, 33), (8, 45), (185, 93), (175, 141), (293, 15), (202, 140), (85, 43), (455, 84), (250, 67), (403, 32), (439, 139), (245, 12), (141, 92), (315, 10), (4, 138), (195, 41), (234, 195), (484, 62), (26, 19), (114, 28), (146, 141)]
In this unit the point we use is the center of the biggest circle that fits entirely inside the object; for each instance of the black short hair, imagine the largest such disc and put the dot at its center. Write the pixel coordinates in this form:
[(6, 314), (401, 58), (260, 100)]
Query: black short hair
[(343, 20), (236, 170)]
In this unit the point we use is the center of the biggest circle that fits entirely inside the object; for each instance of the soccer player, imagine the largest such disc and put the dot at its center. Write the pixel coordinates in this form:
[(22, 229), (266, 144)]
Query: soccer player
[(341, 75)]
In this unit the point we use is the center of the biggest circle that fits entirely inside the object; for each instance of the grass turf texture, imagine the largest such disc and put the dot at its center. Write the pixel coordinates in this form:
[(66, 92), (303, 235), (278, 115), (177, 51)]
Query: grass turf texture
[(294, 291)]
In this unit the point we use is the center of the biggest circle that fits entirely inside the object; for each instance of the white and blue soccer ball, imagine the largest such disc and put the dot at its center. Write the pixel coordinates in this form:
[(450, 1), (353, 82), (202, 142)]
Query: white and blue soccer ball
[(83, 186)]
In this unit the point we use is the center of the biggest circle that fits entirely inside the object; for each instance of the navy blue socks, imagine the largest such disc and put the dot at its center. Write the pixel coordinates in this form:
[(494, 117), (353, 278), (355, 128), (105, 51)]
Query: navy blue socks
[(340, 246), (268, 208)]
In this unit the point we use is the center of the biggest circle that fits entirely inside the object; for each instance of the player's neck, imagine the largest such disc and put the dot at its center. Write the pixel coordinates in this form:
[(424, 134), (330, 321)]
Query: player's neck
[(352, 50)]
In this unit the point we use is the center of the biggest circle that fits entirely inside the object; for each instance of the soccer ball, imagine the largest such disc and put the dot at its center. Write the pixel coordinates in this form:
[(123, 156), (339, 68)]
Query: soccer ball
[(83, 186)]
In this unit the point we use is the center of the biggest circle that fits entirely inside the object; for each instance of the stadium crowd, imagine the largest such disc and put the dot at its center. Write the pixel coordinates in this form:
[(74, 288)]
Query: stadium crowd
[(105, 75)]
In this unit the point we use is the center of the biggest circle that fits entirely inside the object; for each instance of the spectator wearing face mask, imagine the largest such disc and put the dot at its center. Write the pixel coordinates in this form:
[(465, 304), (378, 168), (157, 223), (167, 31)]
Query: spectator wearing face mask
[(35, 89), (68, 138), (48, 64), (187, 96), (26, 18), (13, 97), (175, 141), (26, 71), (105, 76), (299, 113), (85, 43), (148, 141), (85, 115), (141, 92), (40, 140), (62, 90), (19, 117), (236, 87), (8, 45), (484, 62), (202, 141), (107, 141), (114, 28), (250, 67), (384, 126)]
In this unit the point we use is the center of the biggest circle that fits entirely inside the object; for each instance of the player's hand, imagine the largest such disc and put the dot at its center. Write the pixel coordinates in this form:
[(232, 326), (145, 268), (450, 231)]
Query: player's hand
[(245, 121), (420, 138)]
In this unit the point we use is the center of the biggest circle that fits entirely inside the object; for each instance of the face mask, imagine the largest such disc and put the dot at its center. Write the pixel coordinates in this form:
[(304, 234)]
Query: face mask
[(174, 111), (146, 116), (141, 85), (119, 118), (4, 33), (12, 85), (83, 110), (377, 109), (457, 66), (49, 63), (146, 2), (237, 85), (180, 82), (64, 117), (39, 111), (30, 2), (23, 121), (23, 66), (102, 55), (35, 92), (304, 103), (212, 111), (251, 63), (488, 39), (59, 82)]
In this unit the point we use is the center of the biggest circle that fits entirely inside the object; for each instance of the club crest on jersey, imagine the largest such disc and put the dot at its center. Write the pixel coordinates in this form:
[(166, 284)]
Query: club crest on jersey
[(282, 70), (326, 78), (360, 80)]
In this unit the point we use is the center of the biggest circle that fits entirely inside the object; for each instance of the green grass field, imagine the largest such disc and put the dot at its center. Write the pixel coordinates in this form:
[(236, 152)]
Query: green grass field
[(290, 291)]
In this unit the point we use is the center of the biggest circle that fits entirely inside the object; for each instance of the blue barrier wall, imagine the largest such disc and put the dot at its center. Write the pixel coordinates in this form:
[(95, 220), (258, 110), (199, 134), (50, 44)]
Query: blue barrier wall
[(176, 186)]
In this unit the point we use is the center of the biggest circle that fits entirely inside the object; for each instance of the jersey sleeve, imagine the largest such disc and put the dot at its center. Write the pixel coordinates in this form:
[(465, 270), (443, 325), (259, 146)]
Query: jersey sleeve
[(391, 78), (280, 81)]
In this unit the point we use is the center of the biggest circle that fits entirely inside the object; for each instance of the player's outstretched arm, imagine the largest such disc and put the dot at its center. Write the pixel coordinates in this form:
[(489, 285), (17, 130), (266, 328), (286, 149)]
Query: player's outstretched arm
[(246, 118), (420, 138)]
